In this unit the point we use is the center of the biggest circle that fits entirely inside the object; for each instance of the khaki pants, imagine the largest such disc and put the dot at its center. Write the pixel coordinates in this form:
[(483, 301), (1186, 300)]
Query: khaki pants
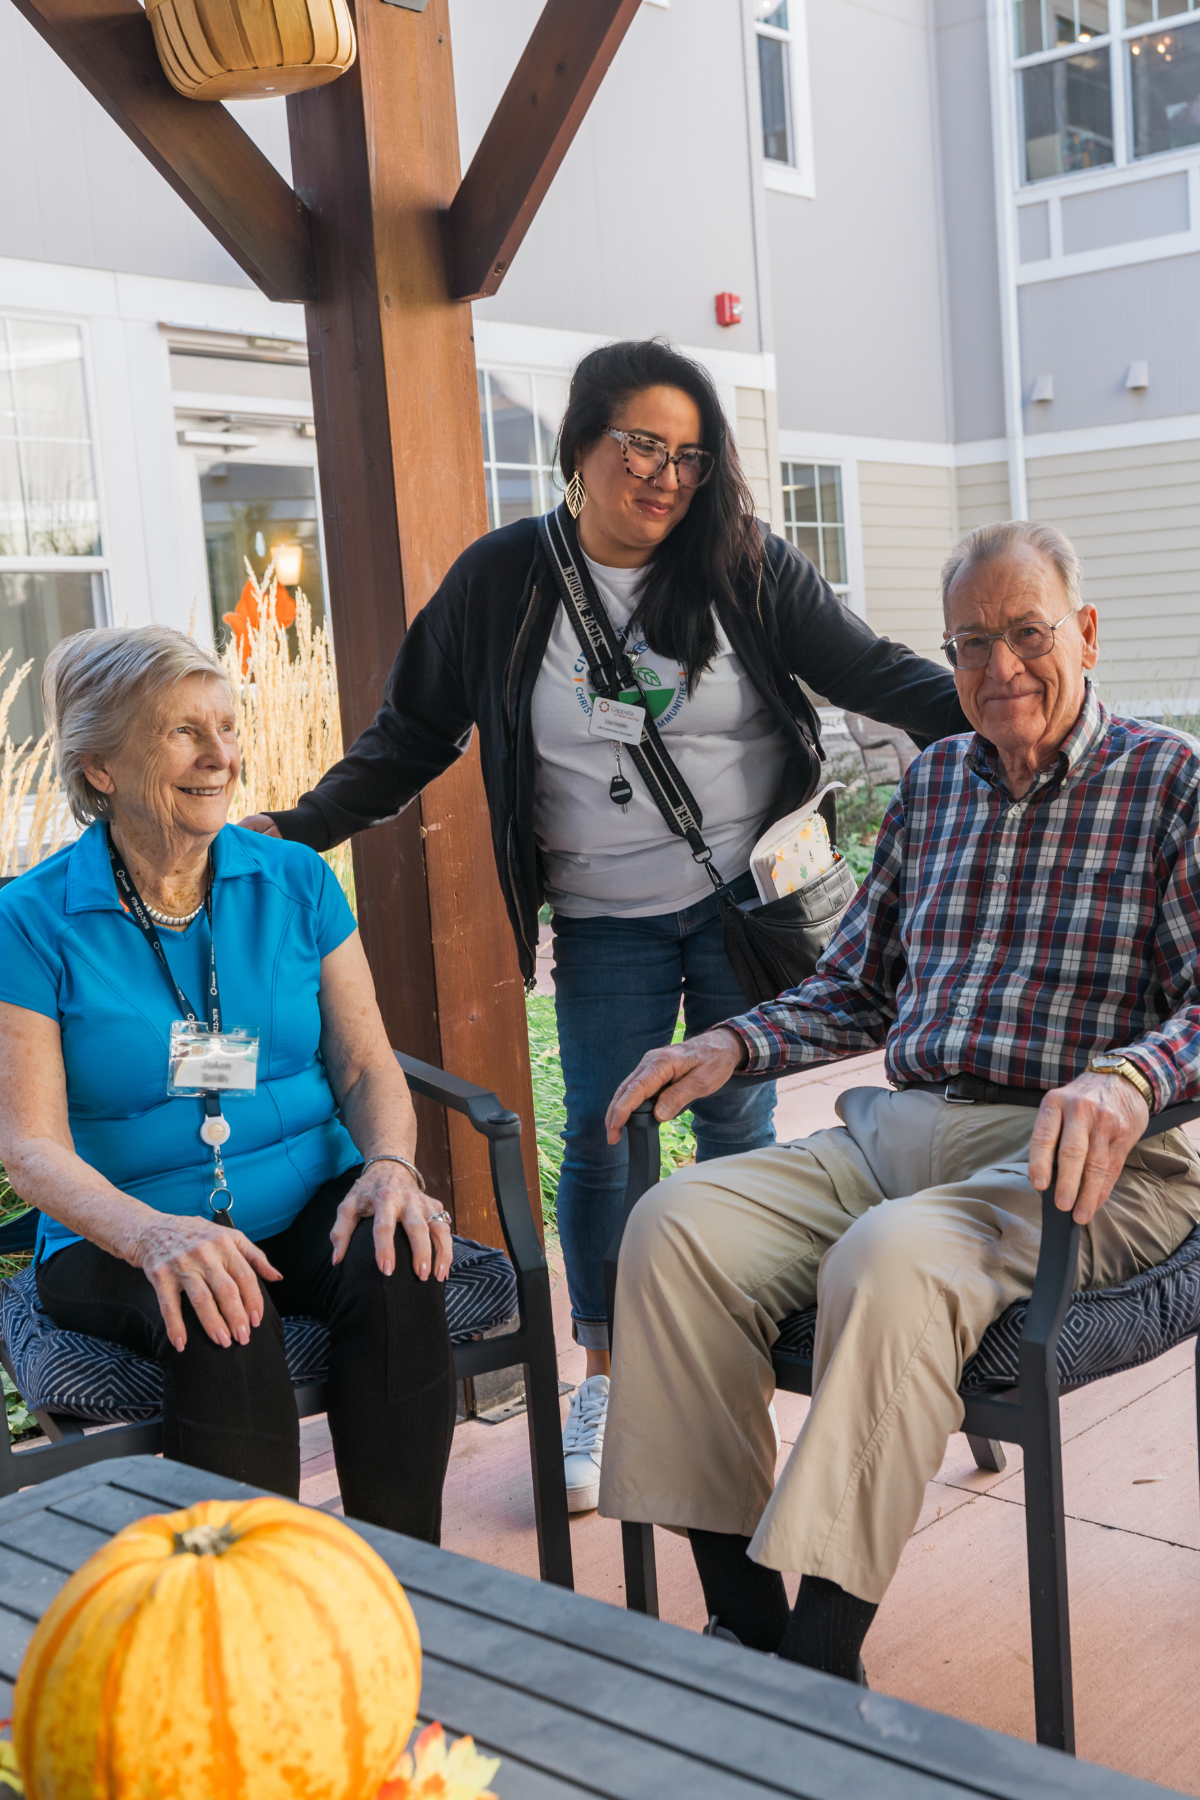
[(913, 1228)]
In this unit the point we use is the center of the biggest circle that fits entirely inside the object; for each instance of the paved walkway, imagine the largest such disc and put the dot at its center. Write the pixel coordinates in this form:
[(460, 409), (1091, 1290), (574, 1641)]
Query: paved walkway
[(953, 1632)]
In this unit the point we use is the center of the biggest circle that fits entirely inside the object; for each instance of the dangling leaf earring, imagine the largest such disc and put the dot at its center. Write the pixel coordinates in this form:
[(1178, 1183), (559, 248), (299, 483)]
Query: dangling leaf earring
[(575, 495)]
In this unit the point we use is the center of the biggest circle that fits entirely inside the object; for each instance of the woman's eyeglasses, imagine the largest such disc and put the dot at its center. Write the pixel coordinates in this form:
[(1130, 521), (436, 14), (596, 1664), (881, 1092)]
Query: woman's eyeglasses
[(1028, 640), (646, 458)]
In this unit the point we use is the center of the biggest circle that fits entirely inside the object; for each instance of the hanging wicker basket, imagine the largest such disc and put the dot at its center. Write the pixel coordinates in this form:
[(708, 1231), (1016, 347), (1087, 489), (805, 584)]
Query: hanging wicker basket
[(242, 49)]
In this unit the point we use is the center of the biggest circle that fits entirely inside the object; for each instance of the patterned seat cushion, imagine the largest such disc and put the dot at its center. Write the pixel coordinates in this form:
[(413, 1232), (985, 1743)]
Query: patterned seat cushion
[(88, 1378), (1106, 1329)]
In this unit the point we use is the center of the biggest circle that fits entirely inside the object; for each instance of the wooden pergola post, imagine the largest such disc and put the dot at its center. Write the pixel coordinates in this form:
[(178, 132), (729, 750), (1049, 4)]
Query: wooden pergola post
[(384, 245)]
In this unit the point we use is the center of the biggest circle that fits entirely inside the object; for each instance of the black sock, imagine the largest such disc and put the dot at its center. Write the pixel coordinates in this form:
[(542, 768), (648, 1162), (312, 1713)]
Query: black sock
[(748, 1600), (827, 1627)]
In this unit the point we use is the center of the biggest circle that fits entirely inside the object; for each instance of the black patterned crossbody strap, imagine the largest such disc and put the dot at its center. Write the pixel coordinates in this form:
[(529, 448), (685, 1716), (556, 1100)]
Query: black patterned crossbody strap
[(613, 673)]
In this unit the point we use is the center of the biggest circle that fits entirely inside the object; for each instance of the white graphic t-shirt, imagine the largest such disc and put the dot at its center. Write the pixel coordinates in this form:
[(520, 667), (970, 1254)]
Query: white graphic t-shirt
[(724, 741)]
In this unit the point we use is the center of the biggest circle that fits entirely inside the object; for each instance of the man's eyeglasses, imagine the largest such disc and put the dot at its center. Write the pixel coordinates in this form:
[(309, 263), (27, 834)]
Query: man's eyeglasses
[(1028, 640), (646, 458)]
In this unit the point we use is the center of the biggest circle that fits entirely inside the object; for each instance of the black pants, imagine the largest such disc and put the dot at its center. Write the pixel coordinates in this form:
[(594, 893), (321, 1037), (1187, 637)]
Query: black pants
[(233, 1412)]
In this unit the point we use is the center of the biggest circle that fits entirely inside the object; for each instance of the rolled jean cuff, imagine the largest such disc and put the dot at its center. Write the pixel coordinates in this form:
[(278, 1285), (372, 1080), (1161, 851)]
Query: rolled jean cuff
[(590, 1334)]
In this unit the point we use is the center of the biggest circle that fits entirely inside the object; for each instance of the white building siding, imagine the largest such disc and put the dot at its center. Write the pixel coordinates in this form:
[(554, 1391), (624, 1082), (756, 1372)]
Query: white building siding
[(982, 493)]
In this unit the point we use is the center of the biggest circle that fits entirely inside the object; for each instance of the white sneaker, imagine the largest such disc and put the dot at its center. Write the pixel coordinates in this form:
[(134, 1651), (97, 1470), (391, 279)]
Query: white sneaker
[(583, 1443)]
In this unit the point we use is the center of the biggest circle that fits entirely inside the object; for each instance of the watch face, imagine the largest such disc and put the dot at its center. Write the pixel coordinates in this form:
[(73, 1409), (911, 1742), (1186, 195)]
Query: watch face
[(1108, 1059)]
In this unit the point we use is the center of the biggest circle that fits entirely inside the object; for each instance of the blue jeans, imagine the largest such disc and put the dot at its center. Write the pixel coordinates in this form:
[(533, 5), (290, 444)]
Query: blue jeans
[(617, 985)]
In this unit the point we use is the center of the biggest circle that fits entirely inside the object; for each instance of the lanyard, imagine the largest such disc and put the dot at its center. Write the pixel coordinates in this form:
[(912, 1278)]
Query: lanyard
[(214, 1131)]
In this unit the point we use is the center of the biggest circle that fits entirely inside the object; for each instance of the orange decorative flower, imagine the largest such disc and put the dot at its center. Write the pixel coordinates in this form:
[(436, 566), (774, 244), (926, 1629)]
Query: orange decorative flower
[(436, 1772), (248, 617)]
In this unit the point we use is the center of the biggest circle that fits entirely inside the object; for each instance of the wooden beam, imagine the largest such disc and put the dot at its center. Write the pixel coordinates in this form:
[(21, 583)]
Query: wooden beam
[(196, 146), (396, 408), (531, 131)]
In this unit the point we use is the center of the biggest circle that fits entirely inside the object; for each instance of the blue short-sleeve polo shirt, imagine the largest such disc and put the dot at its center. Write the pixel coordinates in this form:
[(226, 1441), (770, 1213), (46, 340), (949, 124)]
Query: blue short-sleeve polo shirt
[(69, 950)]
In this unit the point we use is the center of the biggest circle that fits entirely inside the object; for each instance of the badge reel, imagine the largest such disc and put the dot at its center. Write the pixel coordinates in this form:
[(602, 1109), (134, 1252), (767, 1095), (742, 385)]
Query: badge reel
[(213, 1066)]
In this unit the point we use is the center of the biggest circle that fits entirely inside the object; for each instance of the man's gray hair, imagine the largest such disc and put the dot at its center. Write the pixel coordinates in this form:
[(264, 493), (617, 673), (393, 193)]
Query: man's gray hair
[(96, 684), (990, 541)]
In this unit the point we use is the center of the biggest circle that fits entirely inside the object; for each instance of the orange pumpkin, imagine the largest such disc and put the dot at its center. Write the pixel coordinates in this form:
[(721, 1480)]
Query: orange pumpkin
[(252, 1650)]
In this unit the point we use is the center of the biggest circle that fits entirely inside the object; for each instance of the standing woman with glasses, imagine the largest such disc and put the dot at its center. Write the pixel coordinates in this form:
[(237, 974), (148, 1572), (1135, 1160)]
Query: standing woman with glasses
[(722, 621)]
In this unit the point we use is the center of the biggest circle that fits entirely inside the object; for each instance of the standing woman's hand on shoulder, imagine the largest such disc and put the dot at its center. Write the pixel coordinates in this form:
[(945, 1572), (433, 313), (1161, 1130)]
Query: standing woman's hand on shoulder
[(262, 823)]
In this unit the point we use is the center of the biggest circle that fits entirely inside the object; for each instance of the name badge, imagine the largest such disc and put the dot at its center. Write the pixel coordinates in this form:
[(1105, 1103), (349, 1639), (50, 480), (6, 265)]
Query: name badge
[(616, 719), (200, 1061)]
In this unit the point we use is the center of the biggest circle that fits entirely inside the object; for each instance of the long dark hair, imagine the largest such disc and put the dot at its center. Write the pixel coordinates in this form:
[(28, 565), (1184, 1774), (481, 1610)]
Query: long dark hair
[(716, 546)]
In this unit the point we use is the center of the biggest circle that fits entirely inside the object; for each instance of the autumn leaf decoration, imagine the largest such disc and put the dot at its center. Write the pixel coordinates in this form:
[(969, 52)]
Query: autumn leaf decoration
[(259, 599), (435, 1770)]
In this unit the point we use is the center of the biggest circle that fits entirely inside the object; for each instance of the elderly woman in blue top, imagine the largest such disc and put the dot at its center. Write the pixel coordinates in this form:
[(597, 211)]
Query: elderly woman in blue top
[(103, 949)]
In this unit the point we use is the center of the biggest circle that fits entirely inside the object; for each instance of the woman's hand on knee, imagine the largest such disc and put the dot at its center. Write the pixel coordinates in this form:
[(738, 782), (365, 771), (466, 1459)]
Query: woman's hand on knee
[(216, 1267), (678, 1074), (386, 1195)]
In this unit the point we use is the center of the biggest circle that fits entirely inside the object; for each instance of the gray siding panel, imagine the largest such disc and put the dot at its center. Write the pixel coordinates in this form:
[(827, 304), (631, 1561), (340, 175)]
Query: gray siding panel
[(73, 189), (1085, 330), (964, 104), (908, 531), (649, 216), (1124, 215), (856, 299), (1134, 517), (1033, 232)]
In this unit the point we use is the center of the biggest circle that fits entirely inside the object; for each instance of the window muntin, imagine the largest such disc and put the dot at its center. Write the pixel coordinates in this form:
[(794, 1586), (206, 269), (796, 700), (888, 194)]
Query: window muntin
[(1164, 87), (1066, 106), (814, 519), (519, 416), (1150, 12), (48, 499), (1049, 24), (775, 81)]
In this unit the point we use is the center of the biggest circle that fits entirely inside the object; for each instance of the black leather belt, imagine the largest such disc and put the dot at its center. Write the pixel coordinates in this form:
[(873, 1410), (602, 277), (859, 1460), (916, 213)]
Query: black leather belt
[(972, 1090)]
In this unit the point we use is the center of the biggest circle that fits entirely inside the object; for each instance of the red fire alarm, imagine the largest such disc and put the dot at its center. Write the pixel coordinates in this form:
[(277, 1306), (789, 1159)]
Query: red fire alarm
[(729, 309)]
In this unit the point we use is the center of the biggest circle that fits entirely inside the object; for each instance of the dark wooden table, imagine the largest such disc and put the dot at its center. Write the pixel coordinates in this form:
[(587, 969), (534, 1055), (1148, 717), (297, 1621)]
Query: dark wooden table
[(579, 1698)]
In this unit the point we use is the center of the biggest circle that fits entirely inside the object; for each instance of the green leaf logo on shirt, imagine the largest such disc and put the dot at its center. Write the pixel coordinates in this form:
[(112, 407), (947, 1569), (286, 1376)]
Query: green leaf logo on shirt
[(656, 696)]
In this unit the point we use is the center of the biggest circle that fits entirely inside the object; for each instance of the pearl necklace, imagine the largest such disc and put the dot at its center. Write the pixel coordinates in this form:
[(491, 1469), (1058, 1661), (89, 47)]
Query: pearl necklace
[(162, 918)]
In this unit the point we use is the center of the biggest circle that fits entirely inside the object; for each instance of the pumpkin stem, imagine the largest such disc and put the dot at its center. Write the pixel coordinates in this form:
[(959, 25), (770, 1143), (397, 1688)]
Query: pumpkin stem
[(204, 1540)]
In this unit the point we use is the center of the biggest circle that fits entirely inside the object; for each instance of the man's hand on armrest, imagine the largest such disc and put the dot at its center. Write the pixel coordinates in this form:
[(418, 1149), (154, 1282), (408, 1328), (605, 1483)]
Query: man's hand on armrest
[(678, 1075), (1095, 1122)]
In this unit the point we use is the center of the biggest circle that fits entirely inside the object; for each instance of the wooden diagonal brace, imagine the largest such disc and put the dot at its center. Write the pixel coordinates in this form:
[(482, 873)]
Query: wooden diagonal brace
[(539, 113), (197, 146)]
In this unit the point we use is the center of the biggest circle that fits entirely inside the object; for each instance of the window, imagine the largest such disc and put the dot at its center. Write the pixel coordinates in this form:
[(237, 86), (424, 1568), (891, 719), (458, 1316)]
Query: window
[(266, 512), (51, 567), (1099, 85), (813, 518), (519, 416), (1164, 85), (775, 81)]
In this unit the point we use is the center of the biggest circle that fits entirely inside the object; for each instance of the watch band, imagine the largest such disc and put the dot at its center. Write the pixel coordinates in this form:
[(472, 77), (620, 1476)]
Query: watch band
[(1128, 1072), (386, 1156)]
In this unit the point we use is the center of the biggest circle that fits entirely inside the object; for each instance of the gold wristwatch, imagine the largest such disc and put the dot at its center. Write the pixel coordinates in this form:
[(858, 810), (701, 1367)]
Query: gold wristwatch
[(1111, 1062)]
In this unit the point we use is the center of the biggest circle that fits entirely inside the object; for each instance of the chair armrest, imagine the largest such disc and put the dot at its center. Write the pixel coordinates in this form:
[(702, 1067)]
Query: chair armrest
[(502, 1129), (645, 1162)]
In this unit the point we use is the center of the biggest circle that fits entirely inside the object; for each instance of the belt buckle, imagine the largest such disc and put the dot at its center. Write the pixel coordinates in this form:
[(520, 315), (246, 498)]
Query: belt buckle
[(953, 1099)]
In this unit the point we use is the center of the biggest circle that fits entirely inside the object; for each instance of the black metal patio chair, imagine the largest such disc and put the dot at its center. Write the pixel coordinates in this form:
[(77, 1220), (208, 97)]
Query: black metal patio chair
[(1011, 1390), (530, 1346)]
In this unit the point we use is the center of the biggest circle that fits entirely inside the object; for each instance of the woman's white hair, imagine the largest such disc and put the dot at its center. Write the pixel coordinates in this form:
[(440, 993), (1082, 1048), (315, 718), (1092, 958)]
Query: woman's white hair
[(97, 683), (990, 541)]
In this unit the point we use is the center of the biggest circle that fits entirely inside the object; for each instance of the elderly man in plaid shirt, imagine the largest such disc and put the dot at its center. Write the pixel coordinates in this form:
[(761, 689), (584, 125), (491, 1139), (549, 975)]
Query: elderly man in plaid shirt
[(1026, 941)]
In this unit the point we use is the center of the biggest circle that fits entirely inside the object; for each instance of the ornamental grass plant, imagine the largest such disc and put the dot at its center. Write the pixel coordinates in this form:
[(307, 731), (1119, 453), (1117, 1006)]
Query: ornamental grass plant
[(284, 681)]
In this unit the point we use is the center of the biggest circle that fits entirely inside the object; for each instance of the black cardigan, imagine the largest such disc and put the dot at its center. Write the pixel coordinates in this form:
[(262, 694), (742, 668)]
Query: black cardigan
[(471, 657)]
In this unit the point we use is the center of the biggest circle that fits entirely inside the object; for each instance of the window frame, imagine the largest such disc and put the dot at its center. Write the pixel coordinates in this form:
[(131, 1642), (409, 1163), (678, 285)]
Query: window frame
[(798, 176), (65, 565), (787, 462), (544, 469)]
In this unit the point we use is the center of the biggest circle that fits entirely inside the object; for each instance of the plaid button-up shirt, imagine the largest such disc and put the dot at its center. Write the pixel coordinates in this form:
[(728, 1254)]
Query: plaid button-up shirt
[(1015, 939)]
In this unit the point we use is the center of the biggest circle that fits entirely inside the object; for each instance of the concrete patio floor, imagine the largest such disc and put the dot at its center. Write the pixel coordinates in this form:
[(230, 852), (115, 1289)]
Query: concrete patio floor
[(953, 1632)]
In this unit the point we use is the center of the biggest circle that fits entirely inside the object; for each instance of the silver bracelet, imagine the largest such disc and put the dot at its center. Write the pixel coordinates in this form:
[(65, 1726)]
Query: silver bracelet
[(385, 1156)]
